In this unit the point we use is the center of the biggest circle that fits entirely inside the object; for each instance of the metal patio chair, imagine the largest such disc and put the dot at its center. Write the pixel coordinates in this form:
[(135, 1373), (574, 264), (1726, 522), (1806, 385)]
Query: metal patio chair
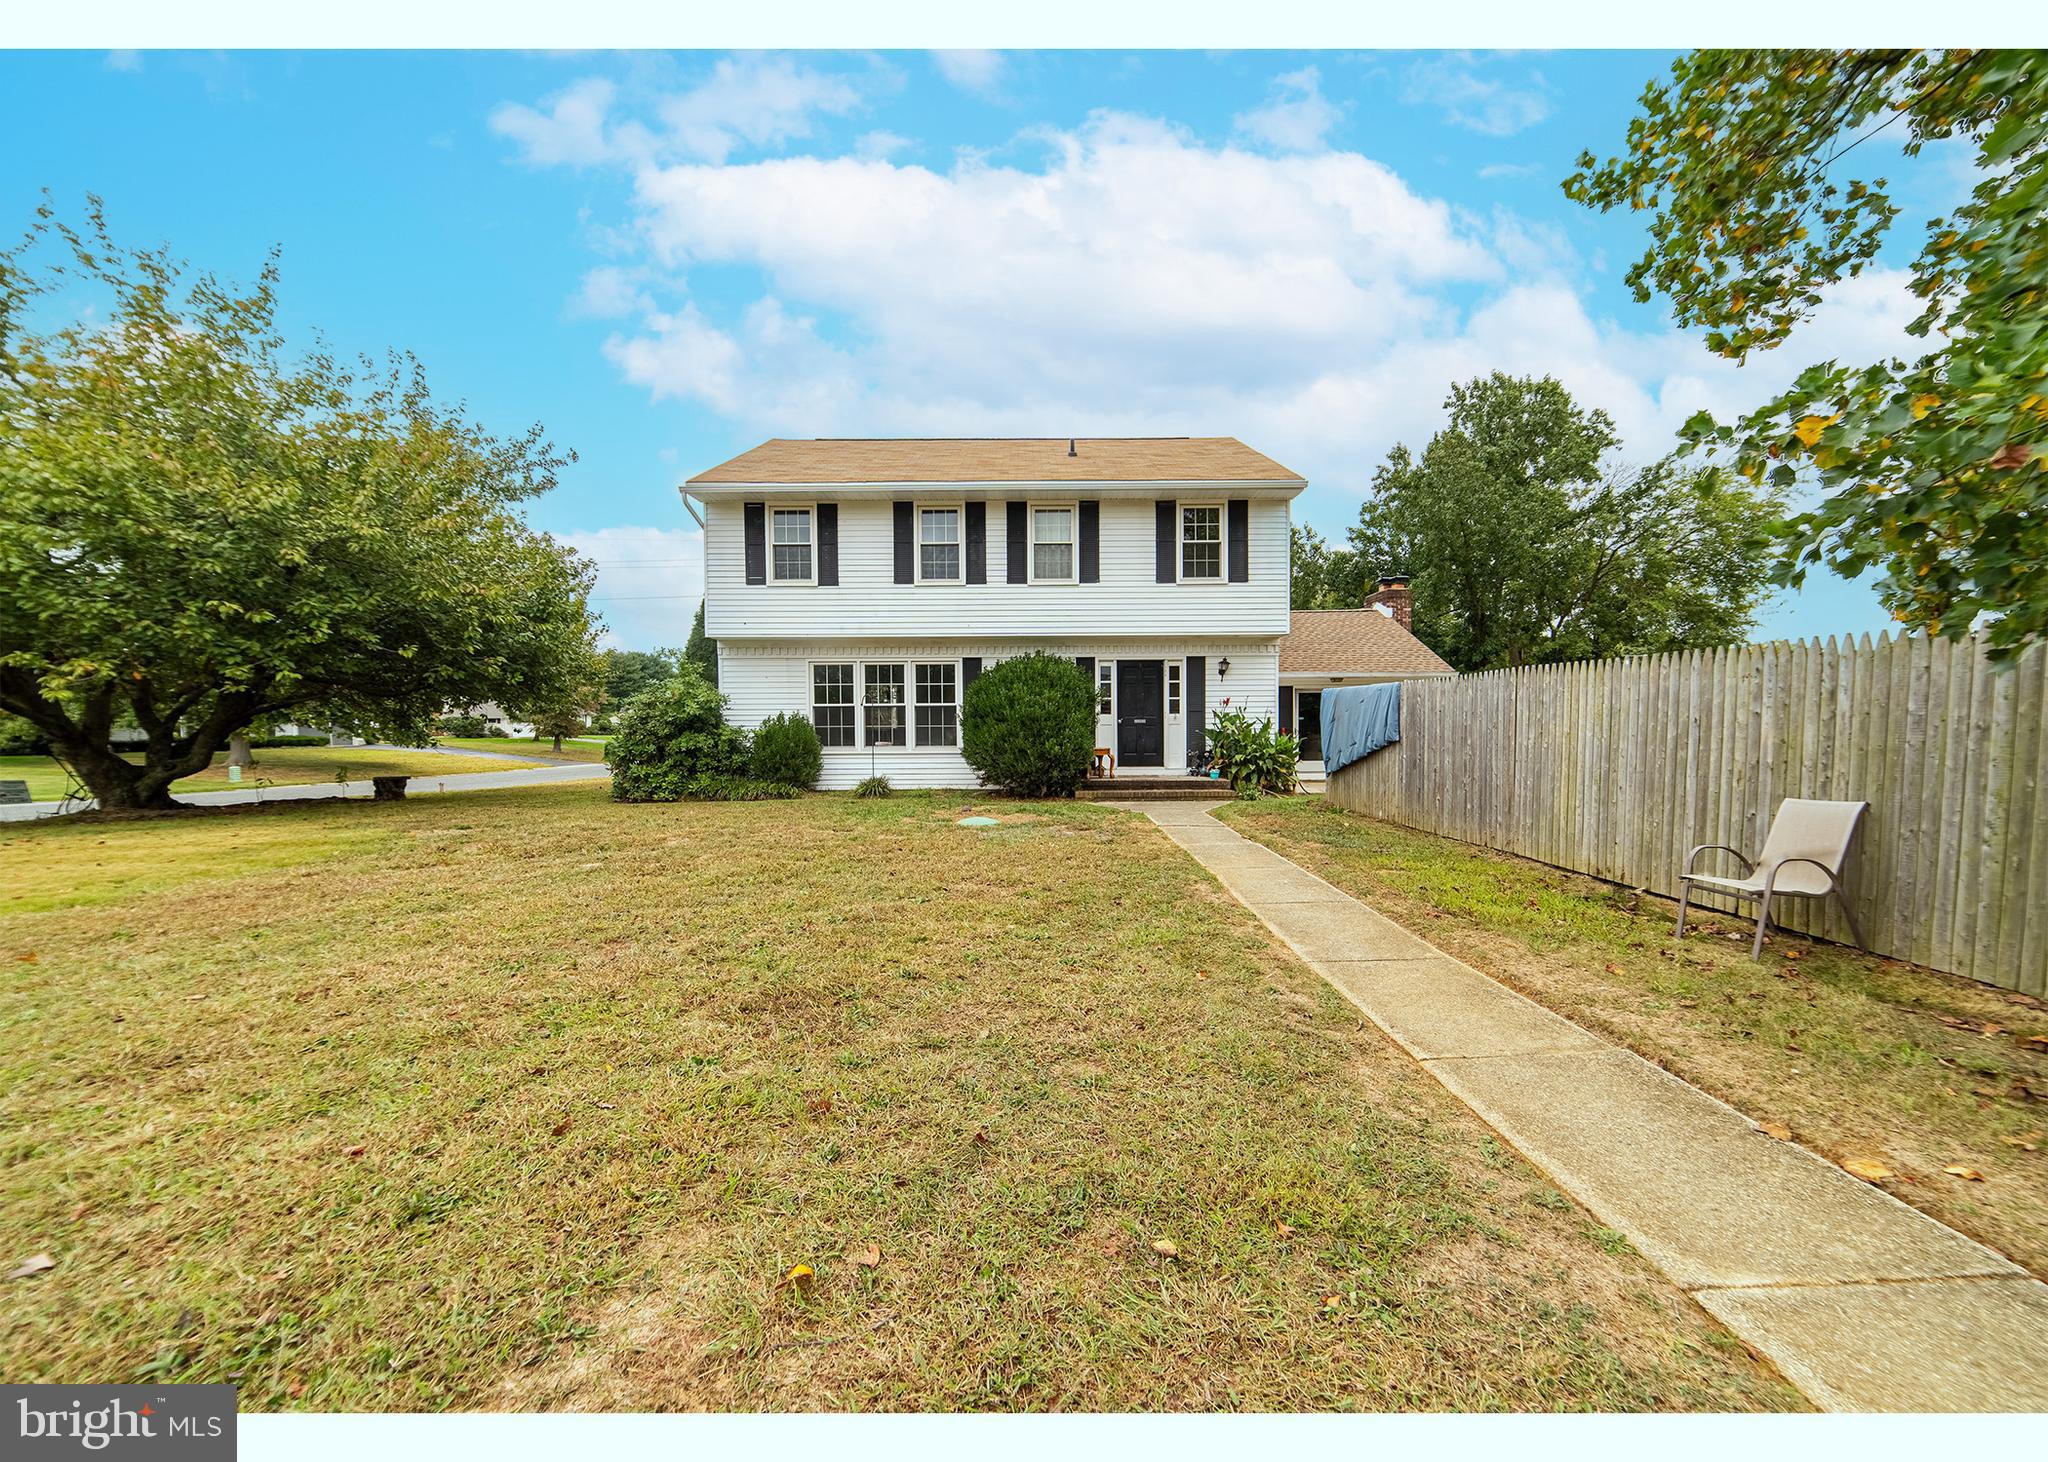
[(1804, 856)]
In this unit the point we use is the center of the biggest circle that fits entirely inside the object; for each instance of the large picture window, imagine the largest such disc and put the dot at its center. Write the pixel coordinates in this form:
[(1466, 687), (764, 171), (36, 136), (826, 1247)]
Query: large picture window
[(832, 704), (1052, 545), (938, 545), (938, 705), (1201, 542), (790, 540), (882, 702)]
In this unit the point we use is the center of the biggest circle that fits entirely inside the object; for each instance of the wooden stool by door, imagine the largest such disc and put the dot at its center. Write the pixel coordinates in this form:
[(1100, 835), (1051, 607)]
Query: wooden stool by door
[(1102, 762)]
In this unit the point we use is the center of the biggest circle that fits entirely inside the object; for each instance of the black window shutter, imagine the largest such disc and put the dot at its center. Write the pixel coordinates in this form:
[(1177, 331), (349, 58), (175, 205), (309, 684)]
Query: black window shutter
[(828, 543), (1019, 544), (756, 517), (970, 666), (1286, 710), (1240, 539), (1197, 709), (1166, 543), (905, 553), (1087, 664), (977, 547), (1091, 542)]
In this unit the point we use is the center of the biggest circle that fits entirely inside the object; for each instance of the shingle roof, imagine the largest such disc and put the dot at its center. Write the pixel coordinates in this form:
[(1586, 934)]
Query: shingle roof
[(998, 459), (1353, 642)]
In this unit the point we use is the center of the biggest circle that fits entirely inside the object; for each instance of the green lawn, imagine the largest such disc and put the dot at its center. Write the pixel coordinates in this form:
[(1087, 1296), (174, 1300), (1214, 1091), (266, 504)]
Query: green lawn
[(1860, 1057), (283, 766), (573, 748), (536, 1099)]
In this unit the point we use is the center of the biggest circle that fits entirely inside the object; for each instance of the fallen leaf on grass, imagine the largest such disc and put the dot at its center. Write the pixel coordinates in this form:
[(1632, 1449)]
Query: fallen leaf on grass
[(2025, 1142), (1868, 1169), (2037, 1041), (1614, 969), (357, 1151), (1775, 1129), (562, 1127), (1284, 1229), (1166, 1248), (800, 1279), (28, 956), (868, 1258), (981, 1136), (34, 1264), (1688, 1004), (1966, 1173), (820, 1105)]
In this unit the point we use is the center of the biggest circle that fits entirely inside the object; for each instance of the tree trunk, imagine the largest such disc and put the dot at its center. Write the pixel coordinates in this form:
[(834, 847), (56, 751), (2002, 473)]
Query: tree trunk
[(558, 743), (116, 783), (238, 750)]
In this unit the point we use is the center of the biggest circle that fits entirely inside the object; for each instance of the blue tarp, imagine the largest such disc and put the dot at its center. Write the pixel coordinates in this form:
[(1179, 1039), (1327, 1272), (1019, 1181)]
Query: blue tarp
[(1358, 720)]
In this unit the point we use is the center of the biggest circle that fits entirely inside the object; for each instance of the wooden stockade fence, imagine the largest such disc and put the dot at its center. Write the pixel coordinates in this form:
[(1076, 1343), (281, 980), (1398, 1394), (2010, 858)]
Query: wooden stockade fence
[(1616, 768)]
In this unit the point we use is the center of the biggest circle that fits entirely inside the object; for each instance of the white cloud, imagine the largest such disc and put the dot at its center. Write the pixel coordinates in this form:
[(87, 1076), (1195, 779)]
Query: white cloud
[(124, 60), (1296, 118), (976, 71), (648, 582), (879, 144), (746, 102), (1511, 170), (762, 101), (1456, 86), (609, 292), (1137, 280), (571, 131)]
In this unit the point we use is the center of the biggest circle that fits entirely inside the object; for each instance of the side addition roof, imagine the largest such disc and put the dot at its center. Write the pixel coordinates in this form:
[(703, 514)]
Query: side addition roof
[(1354, 642)]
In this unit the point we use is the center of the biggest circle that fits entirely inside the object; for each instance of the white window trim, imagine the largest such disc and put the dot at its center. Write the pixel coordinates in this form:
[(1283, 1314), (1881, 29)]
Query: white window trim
[(1175, 690), (1180, 542), (917, 511), (912, 703), (1031, 541), (811, 699), (768, 532)]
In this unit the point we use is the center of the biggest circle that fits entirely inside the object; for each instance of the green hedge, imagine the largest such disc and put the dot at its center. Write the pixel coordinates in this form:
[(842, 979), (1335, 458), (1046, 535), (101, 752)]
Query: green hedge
[(671, 739)]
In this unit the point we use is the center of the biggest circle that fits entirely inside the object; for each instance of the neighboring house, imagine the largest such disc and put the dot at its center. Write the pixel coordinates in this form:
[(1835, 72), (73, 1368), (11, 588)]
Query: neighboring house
[(1331, 647), (866, 584), (494, 715)]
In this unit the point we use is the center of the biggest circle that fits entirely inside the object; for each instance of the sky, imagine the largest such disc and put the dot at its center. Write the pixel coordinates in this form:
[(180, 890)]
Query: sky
[(665, 258)]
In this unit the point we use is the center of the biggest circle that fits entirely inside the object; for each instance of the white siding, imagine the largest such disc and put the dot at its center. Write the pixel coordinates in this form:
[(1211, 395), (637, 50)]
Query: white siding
[(868, 602), (762, 679)]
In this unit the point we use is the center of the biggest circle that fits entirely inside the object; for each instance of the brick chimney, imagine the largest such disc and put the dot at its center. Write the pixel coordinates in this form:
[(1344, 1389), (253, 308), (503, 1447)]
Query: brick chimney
[(1393, 595)]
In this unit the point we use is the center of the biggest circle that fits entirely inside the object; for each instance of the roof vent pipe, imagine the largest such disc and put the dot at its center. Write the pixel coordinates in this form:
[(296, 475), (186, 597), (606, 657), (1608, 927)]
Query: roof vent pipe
[(1070, 448)]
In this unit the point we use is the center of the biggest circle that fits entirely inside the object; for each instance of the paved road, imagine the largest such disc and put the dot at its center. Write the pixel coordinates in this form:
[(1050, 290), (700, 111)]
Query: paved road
[(314, 791), (1863, 1303)]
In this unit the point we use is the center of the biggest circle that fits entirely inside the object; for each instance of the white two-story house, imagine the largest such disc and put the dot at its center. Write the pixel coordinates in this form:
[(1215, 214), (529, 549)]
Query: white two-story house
[(866, 584)]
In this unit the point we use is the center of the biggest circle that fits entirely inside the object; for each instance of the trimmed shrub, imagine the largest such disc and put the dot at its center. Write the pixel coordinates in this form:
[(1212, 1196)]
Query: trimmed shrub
[(740, 789), (786, 749), (672, 736), (1028, 725), (262, 741), (872, 787), (1252, 755), (460, 726)]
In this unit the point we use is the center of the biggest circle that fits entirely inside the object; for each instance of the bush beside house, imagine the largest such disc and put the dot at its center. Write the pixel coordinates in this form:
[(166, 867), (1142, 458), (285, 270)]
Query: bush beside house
[(787, 750), (1252, 755), (1028, 725)]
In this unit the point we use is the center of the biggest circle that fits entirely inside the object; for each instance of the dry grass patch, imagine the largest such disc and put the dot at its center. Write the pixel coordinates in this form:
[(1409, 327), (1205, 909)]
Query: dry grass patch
[(404, 1106), (1861, 1057)]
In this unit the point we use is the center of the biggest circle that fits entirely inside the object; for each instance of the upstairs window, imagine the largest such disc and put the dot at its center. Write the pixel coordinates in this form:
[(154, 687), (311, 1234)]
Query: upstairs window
[(1201, 543), (832, 704), (790, 540), (1052, 545), (938, 545), (938, 720), (1104, 687), (883, 697)]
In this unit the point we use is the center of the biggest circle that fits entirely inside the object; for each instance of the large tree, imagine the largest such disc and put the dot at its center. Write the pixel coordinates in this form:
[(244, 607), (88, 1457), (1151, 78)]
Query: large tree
[(1324, 576), (700, 649), (1936, 467), (198, 534), (628, 673), (1527, 544)]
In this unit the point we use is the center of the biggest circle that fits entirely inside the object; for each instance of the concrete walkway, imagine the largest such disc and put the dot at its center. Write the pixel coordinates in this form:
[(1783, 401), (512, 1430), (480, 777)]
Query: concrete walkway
[(314, 791), (1862, 1302)]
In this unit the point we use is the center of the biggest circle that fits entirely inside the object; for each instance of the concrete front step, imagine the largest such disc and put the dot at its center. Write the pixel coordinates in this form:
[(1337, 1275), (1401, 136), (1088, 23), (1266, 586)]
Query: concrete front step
[(1147, 789)]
